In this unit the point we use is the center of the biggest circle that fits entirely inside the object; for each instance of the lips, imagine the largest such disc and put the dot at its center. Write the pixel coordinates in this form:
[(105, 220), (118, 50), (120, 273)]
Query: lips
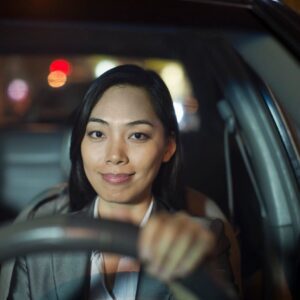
[(116, 178)]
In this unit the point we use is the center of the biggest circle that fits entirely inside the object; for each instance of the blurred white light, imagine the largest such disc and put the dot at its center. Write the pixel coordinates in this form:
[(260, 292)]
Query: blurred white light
[(18, 90), (173, 76), (178, 111), (103, 66)]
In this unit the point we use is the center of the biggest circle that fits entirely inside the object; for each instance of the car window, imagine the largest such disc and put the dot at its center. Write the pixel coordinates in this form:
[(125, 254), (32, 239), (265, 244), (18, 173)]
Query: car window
[(46, 89)]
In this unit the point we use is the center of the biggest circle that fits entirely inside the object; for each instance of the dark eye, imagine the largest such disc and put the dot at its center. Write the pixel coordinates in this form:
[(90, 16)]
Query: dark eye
[(96, 134), (139, 136)]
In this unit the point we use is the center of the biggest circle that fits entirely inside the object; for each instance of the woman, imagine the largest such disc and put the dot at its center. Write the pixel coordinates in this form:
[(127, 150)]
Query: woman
[(126, 165)]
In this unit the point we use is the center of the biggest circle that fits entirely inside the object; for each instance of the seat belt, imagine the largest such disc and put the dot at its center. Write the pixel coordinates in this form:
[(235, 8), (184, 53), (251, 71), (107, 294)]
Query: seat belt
[(231, 128)]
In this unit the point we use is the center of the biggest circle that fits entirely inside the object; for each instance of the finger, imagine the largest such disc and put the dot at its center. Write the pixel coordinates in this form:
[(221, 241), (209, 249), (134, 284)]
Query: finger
[(147, 237), (196, 254), (162, 247), (181, 249), (173, 260)]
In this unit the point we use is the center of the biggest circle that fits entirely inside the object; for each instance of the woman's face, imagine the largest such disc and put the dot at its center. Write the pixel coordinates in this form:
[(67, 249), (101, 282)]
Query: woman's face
[(124, 145)]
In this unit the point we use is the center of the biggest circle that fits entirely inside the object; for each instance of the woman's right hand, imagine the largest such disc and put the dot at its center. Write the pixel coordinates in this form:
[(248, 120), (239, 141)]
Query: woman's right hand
[(173, 245)]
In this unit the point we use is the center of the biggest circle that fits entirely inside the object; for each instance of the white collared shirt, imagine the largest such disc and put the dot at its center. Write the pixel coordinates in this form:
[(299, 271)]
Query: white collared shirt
[(126, 277)]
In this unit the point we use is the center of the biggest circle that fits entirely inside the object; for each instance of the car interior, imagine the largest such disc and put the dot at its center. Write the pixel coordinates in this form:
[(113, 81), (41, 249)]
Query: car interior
[(239, 126)]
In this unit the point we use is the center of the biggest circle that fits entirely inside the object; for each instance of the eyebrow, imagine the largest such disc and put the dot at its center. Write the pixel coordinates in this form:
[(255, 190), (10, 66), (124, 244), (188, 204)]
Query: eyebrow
[(133, 123)]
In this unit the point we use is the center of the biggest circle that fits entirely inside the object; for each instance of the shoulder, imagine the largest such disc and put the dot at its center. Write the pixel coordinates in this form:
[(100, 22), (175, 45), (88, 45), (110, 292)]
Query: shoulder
[(201, 205), (54, 200)]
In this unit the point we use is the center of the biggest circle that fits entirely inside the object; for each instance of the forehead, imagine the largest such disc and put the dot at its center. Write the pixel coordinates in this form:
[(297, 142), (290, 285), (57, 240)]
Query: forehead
[(124, 101)]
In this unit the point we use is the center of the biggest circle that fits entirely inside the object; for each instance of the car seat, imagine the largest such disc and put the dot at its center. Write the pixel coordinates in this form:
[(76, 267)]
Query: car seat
[(32, 159)]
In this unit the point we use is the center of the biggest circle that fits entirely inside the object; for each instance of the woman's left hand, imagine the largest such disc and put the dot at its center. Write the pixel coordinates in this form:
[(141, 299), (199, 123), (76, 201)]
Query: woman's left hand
[(173, 245)]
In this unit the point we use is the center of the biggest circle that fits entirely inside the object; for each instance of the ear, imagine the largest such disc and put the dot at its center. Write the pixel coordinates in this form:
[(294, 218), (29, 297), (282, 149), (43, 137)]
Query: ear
[(170, 149)]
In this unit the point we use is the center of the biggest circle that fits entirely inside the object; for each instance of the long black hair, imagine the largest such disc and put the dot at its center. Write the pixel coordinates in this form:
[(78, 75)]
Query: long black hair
[(168, 184)]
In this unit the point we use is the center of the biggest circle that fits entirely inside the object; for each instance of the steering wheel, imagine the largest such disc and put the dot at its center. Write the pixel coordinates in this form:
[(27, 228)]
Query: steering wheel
[(61, 233)]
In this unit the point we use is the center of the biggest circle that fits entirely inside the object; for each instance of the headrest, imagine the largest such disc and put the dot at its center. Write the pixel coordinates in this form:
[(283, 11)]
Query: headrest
[(32, 159)]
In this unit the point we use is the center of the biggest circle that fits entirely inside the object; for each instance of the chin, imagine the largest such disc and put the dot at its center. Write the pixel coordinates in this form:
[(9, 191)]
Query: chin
[(119, 199), (114, 197)]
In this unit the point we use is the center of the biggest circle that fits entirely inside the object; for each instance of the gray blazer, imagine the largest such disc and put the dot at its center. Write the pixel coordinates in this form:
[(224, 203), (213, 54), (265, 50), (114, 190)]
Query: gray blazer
[(65, 276)]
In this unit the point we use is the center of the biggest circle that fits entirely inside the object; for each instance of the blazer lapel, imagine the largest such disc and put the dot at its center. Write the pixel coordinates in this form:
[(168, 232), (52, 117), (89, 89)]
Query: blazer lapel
[(149, 288), (70, 270)]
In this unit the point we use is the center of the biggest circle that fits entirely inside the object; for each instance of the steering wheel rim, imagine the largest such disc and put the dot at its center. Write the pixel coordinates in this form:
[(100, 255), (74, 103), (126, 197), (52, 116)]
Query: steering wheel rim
[(62, 233), (68, 233)]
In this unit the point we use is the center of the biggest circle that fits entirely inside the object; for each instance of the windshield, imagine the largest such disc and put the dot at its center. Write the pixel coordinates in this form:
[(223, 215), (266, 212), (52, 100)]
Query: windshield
[(46, 89)]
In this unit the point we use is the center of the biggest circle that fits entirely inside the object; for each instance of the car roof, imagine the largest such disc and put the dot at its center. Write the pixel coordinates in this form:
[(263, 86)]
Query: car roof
[(127, 10)]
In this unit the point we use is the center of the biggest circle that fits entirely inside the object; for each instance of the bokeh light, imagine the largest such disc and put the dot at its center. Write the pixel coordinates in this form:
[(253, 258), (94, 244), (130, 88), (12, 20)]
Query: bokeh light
[(61, 65), (57, 79), (178, 107), (173, 76), (103, 66), (18, 90), (191, 105)]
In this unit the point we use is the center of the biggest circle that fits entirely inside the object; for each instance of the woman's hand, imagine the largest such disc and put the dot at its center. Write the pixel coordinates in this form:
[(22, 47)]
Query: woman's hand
[(171, 246)]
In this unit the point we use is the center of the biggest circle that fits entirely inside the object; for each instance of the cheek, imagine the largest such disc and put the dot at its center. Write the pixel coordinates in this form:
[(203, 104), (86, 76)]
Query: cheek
[(85, 153), (90, 155), (149, 159)]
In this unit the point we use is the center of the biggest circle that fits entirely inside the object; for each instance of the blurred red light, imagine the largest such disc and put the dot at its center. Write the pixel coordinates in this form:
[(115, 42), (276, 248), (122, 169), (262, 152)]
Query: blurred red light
[(61, 65)]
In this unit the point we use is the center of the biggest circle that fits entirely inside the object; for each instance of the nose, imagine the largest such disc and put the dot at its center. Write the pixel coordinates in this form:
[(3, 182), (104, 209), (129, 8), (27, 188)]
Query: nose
[(116, 153)]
